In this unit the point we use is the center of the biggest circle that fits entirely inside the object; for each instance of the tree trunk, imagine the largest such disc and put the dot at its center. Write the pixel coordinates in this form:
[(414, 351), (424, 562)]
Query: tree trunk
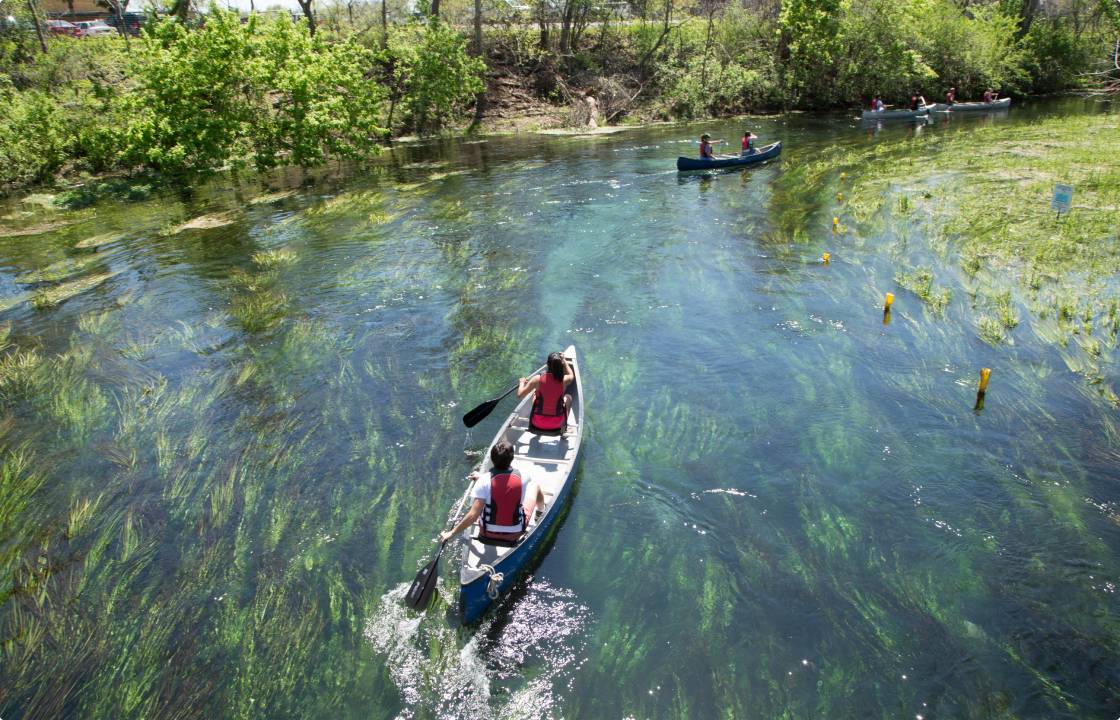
[(434, 12), (478, 27), (1027, 10), (118, 10), (308, 13), (38, 28), (542, 23), (566, 27), (384, 23), (707, 50), (661, 38)]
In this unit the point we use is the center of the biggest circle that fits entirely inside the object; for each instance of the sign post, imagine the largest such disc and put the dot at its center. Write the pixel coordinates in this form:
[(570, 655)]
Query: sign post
[(1063, 194)]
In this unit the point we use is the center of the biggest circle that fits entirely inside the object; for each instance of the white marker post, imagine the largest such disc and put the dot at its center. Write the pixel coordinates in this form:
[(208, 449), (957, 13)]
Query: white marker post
[(1063, 194)]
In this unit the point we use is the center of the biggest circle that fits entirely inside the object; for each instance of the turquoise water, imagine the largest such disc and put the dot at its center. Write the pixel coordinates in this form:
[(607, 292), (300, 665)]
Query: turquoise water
[(227, 448)]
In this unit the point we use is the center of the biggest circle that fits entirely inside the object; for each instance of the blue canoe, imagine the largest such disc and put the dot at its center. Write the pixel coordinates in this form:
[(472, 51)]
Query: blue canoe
[(488, 570), (729, 161)]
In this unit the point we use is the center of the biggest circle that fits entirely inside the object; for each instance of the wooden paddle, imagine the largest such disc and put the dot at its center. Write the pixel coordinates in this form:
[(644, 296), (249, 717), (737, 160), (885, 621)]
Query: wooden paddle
[(420, 593)]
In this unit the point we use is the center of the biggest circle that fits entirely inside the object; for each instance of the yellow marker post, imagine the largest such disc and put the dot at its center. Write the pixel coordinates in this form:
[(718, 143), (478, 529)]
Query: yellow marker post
[(842, 176), (825, 258), (839, 197), (888, 301), (985, 373)]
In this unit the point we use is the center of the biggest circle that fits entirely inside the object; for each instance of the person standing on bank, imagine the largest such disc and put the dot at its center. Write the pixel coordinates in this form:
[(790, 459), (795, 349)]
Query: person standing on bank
[(504, 499)]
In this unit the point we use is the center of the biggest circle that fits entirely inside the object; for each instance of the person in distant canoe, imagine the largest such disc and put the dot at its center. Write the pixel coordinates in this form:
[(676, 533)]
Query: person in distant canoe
[(549, 415), (877, 104), (917, 101), (706, 143), (747, 144), (989, 96), (951, 96), (503, 500)]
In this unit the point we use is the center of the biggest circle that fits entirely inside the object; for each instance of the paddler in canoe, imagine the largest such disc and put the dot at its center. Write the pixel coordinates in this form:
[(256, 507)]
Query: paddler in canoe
[(551, 404), (706, 152), (747, 145), (505, 498)]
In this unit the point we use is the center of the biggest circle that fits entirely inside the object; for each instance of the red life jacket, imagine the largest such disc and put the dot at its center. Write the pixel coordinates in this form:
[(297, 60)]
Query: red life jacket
[(705, 151), (748, 143), (548, 406), (504, 517)]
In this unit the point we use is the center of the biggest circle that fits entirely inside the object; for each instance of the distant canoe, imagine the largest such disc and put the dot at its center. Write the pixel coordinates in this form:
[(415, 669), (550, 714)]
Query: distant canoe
[(1001, 104), (763, 153), (894, 114)]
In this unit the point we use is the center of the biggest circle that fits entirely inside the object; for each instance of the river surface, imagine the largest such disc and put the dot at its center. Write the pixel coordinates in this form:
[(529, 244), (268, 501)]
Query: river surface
[(228, 445)]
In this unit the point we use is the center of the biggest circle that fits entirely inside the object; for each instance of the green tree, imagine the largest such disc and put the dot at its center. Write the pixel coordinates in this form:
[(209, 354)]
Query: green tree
[(810, 31), (431, 75)]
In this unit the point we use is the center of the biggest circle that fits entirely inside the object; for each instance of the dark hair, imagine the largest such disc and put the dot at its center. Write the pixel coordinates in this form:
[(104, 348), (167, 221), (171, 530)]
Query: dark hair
[(501, 455), (556, 365), (746, 132)]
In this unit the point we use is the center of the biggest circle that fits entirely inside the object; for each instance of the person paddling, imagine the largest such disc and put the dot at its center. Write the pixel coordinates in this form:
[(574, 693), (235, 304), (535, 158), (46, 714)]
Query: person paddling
[(917, 101), (989, 96), (706, 143), (549, 415), (503, 500), (951, 96), (747, 144)]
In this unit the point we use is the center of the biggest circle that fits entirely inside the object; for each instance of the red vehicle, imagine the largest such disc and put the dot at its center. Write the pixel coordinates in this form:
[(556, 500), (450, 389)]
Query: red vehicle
[(61, 27)]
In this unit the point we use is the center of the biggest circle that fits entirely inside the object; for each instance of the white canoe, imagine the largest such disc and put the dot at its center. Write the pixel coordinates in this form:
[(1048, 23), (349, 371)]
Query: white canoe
[(893, 114), (1001, 104), (489, 570)]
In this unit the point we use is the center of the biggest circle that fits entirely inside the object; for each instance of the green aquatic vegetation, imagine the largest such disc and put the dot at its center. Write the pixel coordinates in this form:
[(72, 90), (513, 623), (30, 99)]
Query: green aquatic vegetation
[(49, 297), (274, 258), (63, 269), (260, 310), (920, 282)]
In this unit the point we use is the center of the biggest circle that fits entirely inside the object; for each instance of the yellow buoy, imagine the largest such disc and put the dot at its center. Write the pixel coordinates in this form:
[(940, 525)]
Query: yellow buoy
[(888, 301), (825, 257), (839, 197), (985, 373), (835, 221), (842, 176)]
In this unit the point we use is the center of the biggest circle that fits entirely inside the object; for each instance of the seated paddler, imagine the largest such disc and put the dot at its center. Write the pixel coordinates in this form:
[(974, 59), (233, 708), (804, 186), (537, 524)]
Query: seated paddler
[(503, 499), (549, 415)]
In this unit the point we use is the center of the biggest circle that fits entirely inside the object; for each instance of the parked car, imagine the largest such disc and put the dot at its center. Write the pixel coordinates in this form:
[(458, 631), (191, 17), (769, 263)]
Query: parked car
[(61, 27), (132, 22), (95, 28)]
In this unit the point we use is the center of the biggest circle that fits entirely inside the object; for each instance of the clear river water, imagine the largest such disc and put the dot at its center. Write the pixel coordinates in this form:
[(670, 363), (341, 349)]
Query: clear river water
[(229, 432)]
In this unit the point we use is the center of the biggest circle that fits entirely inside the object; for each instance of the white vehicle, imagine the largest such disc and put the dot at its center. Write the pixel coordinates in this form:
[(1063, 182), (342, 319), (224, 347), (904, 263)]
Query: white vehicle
[(95, 28)]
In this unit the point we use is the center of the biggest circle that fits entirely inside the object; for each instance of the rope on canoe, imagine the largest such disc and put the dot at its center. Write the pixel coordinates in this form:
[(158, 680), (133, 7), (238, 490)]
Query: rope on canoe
[(496, 579)]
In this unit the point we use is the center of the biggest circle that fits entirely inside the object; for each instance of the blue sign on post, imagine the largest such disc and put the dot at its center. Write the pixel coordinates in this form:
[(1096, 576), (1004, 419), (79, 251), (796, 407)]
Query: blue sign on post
[(1063, 194)]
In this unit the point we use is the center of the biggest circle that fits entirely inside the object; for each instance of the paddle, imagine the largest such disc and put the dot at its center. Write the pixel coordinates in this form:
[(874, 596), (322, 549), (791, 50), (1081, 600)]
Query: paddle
[(477, 415), (420, 593)]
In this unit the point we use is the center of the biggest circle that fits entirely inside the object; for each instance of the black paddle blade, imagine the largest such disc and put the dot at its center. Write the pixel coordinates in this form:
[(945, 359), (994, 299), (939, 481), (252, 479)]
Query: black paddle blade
[(477, 415), (420, 594)]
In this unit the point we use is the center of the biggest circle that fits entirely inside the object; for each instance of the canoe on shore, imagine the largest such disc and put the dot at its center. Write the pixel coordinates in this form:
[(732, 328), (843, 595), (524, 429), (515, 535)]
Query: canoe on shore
[(727, 161), (1001, 104), (489, 569), (894, 114)]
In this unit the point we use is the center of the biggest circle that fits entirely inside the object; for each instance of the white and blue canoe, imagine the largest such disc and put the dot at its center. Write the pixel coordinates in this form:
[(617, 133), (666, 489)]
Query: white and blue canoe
[(490, 569)]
